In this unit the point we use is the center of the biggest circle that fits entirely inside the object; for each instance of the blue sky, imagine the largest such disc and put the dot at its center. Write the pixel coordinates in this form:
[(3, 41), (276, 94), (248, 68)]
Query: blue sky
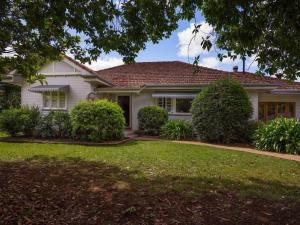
[(176, 48)]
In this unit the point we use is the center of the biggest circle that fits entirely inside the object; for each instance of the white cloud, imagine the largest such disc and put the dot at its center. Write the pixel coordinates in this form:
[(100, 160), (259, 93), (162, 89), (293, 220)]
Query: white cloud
[(211, 62), (105, 62), (189, 43), (214, 62)]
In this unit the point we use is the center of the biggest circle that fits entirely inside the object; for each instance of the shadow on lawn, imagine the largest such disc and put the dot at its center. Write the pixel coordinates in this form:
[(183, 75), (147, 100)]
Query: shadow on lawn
[(44, 190)]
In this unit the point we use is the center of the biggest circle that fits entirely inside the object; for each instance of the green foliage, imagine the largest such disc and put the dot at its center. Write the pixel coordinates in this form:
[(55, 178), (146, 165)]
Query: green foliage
[(56, 124), (279, 135), (10, 96), (107, 26), (242, 28), (151, 119), (177, 130), (99, 120), (221, 112), (249, 132), (19, 120)]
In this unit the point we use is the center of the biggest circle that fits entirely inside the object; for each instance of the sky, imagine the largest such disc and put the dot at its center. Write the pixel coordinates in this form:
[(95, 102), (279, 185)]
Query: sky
[(177, 48)]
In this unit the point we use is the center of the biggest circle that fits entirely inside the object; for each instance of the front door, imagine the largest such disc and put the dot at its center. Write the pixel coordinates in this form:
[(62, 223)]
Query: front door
[(124, 103)]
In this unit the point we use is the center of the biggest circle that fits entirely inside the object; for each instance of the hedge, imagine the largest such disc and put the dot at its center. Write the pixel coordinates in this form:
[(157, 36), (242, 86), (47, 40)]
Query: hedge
[(221, 112), (97, 121)]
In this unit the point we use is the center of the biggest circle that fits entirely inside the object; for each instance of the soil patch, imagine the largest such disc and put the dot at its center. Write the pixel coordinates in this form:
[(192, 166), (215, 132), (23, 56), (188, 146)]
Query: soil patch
[(46, 191)]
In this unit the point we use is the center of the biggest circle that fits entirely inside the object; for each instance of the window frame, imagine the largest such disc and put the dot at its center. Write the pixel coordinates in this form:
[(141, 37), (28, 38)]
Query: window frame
[(164, 103), (173, 110), (58, 101), (287, 110)]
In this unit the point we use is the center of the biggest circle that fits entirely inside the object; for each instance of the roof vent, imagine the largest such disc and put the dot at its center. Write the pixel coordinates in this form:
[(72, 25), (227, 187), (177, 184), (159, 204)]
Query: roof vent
[(235, 69)]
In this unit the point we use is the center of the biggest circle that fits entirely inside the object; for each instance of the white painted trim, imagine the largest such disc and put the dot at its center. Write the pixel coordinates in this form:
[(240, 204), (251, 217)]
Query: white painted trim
[(55, 108), (83, 71), (173, 107), (62, 74)]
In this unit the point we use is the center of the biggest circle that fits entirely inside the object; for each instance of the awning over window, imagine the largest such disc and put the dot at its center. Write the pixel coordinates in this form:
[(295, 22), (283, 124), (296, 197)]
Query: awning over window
[(49, 88), (174, 95)]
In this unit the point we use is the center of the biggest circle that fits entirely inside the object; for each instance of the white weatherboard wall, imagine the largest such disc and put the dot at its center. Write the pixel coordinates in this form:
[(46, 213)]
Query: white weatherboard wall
[(146, 99), (253, 96), (138, 102), (58, 73), (79, 89)]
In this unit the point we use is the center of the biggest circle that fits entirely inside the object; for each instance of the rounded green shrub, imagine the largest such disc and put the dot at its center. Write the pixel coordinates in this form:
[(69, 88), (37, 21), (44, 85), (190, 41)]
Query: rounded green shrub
[(98, 121), (177, 130), (221, 112), (151, 119), (55, 124), (279, 135), (21, 121)]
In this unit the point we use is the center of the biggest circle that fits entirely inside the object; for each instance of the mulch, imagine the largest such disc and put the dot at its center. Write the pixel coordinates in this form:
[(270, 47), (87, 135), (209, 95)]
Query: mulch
[(47, 191)]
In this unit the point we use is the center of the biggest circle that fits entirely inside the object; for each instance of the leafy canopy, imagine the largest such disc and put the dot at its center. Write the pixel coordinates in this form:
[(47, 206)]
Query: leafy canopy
[(40, 30), (35, 32)]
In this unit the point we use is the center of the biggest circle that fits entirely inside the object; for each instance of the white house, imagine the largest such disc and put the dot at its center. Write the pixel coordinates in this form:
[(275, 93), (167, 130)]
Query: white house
[(171, 85)]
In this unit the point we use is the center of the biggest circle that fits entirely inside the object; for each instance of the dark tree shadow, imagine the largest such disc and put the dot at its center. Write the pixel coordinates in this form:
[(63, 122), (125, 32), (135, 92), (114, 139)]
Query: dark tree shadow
[(45, 190)]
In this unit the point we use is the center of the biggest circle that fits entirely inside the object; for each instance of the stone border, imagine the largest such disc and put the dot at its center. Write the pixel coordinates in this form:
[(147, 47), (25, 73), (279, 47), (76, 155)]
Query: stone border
[(61, 141)]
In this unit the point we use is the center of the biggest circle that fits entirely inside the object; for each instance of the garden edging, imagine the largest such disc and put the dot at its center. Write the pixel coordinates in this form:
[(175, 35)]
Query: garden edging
[(61, 141)]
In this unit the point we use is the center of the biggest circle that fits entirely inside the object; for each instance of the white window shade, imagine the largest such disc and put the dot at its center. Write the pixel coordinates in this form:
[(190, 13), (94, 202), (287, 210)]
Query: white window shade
[(174, 95)]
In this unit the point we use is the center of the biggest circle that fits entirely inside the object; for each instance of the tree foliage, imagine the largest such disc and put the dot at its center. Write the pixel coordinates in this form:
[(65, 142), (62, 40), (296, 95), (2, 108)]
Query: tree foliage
[(267, 30), (10, 96), (38, 31)]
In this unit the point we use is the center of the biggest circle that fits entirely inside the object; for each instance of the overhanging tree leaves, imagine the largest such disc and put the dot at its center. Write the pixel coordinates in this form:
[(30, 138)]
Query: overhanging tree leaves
[(43, 29), (40, 30), (269, 30)]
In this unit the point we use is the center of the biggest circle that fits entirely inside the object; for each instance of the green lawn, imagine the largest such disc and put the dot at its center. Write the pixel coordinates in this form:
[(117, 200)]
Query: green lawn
[(162, 166), (2, 134)]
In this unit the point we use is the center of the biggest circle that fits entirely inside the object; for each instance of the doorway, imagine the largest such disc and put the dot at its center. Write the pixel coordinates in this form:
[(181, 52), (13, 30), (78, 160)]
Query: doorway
[(124, 103)]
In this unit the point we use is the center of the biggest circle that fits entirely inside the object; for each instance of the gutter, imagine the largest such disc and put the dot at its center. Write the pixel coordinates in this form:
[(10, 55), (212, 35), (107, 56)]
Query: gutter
[(188, 87), (285, 91), (94, 76)]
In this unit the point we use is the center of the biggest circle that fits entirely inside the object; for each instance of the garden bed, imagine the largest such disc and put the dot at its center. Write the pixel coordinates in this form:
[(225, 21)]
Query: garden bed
[(61, 141)]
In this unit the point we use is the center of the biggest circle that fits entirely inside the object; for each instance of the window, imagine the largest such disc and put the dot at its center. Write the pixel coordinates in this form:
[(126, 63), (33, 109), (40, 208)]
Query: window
[(270, 110), (183, 105), (54, 100), (165, 103), (175, 105)]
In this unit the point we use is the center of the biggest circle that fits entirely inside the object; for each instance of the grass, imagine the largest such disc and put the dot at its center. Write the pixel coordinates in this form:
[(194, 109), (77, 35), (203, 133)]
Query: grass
[(165, 166), (2, 134)]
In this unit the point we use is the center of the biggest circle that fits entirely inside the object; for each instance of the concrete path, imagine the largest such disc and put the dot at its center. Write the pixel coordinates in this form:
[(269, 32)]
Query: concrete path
[(233, 148), (244, 149)]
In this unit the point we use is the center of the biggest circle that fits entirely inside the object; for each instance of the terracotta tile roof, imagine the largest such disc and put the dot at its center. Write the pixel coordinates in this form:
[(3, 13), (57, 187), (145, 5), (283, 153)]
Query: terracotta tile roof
[(179, 73)]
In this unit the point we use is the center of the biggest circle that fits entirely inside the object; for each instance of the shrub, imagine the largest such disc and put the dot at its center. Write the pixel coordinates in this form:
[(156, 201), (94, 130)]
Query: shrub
[(177, 130), (30, 117), (56, 124), (151, 119), (250, 129), (99, 120), (221, 112), (279, 135), (20, 120), (10, 121)]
